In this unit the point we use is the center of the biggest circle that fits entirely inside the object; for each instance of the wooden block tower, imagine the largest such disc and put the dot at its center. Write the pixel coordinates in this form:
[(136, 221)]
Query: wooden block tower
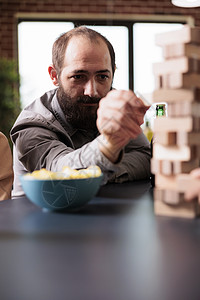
[(176, 147)]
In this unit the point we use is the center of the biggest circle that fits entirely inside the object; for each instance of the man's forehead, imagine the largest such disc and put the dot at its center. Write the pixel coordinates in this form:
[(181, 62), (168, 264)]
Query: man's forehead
[(81, 48), (82, 41)]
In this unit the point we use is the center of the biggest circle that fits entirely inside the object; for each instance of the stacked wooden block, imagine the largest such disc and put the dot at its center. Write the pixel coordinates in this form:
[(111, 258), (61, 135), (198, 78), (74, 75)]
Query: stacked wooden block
[(176, 148)]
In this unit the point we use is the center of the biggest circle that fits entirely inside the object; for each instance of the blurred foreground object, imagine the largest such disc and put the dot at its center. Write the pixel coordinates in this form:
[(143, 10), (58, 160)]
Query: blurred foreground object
[(9, 95), (6, 168), (176, 150)]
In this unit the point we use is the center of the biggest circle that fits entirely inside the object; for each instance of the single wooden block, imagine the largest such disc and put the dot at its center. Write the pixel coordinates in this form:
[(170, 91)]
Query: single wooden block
[(166, 124), (171, 96), (183, 109), (186, 34), (168, 196), (173, 50), (186, 182), (167, 167), (157, 82), (165, 182), (173, 197), (179, 80), (163, 167), (155, 166), (194, 65), (194, 109), (182, 210), (196, 151), (171, 110), (176, 65), (185, 166), (158, 194), (174, 153), (164, 81), (196, 123), (177, 50), (165, 138), (188, 138), (179, 109)]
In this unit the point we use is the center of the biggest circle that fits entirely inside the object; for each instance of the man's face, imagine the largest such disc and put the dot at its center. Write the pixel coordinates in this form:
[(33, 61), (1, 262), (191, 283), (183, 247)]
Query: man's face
[(86, 77)]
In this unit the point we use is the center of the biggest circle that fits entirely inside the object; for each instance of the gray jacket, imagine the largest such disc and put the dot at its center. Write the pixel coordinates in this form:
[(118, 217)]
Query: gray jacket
[(43, 139)]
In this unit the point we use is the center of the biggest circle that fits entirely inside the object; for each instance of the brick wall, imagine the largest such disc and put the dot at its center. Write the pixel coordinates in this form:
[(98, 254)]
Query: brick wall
[(8, 9)]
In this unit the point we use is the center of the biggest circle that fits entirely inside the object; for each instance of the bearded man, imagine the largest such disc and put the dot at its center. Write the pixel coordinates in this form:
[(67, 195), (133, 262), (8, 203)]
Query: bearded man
[(83, 121)]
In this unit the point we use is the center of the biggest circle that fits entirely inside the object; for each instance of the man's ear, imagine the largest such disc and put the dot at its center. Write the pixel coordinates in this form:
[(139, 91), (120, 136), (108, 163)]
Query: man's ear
[(53, 75)]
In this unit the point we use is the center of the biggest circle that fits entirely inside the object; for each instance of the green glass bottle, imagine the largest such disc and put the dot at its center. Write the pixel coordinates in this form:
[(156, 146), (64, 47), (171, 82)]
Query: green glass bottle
[(160, 110)]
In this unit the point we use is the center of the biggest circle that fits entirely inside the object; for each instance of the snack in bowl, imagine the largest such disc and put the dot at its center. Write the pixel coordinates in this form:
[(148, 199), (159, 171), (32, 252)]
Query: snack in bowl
[(67, 190), (92, 171)]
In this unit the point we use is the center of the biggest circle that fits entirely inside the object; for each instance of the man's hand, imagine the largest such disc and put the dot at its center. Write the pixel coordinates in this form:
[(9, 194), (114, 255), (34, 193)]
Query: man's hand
[(119, 118)]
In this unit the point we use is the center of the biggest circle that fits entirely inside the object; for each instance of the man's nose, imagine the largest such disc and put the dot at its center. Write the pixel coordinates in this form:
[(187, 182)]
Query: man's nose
[(90, 88)]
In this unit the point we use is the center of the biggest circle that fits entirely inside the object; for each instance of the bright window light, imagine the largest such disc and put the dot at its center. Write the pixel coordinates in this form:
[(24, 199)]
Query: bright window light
[(35, 40), (146, 53)]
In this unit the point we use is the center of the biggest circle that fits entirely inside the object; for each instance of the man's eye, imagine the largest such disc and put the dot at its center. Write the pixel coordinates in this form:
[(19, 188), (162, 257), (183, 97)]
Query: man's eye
[(77, 77), (102, 76)]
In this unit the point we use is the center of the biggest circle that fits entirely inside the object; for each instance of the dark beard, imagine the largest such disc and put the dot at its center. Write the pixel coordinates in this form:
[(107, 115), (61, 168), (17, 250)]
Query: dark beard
[(80, 117)]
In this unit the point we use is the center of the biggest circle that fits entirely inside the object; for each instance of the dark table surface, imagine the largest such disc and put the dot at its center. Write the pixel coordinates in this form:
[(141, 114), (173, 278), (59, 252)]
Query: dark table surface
[(114, 248)]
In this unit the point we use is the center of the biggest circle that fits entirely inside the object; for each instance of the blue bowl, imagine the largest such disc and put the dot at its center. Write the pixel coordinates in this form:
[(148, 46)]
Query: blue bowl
[(67, 194)]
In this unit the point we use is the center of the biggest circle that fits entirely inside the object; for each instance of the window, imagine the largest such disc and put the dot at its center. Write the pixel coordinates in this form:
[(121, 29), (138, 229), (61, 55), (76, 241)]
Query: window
[(35, 40), (146, 53)]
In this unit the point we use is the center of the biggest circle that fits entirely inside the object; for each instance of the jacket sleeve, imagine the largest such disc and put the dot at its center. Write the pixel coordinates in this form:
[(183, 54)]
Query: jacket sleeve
[(41, 148), (6, 168), (135, 163)]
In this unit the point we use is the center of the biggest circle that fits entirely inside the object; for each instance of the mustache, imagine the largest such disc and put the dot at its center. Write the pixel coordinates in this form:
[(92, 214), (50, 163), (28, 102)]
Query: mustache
[(87, 99)]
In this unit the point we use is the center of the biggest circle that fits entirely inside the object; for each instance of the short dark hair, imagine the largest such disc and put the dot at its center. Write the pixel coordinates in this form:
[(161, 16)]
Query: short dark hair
[(60, 45)]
